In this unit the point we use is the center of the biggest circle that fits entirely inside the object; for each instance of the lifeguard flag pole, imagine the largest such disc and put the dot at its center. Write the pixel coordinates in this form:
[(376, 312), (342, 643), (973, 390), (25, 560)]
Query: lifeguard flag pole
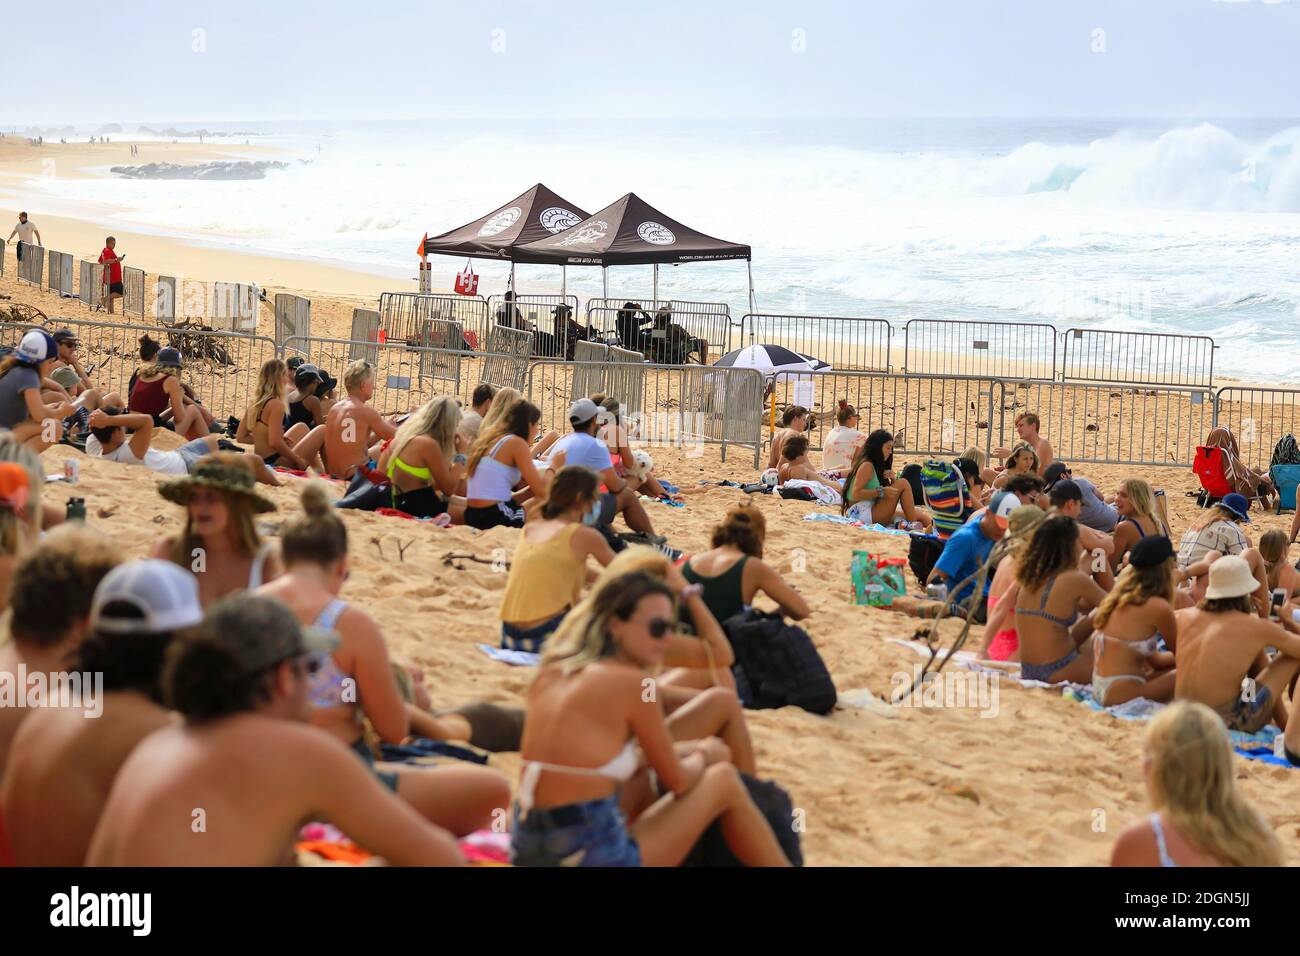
[(426, 277)]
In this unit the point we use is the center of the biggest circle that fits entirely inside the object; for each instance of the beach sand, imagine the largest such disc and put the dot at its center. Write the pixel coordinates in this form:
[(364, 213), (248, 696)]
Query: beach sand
[(1046, 781)]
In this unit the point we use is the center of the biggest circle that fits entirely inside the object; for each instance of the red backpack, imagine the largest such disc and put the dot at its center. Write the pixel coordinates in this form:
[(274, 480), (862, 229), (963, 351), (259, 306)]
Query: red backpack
[(1209, 468)]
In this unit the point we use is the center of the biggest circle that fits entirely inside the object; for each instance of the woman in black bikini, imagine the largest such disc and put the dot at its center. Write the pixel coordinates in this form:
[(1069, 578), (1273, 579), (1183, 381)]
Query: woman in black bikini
[(1052, 591), (1137, 518)]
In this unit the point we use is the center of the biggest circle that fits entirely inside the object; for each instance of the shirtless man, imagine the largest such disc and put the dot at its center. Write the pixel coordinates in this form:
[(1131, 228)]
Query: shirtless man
[(795, 464), (1221, 642), (49, 603), (793, 422), (1027, 425), (62, 765), (350, 426), (248, 756)]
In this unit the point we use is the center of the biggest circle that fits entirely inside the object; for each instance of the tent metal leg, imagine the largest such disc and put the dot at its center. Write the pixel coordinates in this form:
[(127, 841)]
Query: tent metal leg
[(512, 277), (655, 293), (604, 281)]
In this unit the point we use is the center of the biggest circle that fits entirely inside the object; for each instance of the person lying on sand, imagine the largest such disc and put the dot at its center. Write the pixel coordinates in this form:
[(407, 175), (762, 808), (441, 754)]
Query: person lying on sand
[(589, 722), (1222, 641), (426, 463), (796, 466), (872, 493), (794, 420), (1027, 425), (502, 458), (356, 679), (1200, 816), (549, 568), (62, 765), (109, 440), (248, 758), (1055, 641), (1129, 624), (220, 543), (69, 562)]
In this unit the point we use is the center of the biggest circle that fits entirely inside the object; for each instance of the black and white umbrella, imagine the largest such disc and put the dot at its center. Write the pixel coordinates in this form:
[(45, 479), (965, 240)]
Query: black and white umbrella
[(771, 359)]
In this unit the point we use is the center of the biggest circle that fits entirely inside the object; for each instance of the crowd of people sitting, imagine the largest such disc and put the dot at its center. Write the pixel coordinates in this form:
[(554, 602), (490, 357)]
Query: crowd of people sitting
[(233, 669)]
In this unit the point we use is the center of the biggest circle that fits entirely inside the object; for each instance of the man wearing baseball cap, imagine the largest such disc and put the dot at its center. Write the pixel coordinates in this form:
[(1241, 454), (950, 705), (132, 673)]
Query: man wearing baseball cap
[(1222, 640), (582, 447), (967, 551), (1094, 512), (1066, 498), (62, 765)]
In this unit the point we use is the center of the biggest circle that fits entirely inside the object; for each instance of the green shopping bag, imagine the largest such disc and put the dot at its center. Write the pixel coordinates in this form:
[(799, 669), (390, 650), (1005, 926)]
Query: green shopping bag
[(877, 580)]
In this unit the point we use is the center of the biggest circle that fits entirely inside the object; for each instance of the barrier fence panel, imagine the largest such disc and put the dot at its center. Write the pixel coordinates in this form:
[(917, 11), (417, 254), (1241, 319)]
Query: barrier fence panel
[(365, 332), (292, 317), (506, 361), (683, 406), (219, 367), (90, 283), (60, 276), (927, 414), (399, 386), (442, 343), (589, 372), (164, 300), (2, 257), (1139, 358), (652, 305), (666, 338), (541, 315), (621, 376), (1110, 424), (1017, 350), (1258, 417), (847, 343), (31, 268), (403, 314), (132, 291), (233, 306)]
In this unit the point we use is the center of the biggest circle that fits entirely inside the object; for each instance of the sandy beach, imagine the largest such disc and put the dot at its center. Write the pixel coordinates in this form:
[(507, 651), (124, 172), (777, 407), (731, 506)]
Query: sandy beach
[(1043, 781)]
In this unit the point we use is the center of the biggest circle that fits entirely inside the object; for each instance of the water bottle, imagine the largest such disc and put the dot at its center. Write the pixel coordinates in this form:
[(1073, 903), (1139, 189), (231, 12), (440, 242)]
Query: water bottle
[(76, 510), (938, 591)]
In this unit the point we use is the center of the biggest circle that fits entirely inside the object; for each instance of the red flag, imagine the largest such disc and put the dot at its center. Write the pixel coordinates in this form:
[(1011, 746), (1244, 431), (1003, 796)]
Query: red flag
[(420, 251)]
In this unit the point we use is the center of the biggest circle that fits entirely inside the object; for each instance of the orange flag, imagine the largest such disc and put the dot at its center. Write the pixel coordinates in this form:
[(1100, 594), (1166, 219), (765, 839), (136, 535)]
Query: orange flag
[(420, 251)]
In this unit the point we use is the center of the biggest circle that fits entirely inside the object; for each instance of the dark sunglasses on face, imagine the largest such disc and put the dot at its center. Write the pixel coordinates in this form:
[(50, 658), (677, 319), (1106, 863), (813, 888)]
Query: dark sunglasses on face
[(659, 627)]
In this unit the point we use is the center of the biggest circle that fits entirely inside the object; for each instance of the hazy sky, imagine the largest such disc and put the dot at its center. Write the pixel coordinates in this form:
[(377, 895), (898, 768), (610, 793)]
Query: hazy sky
[(174, 60)]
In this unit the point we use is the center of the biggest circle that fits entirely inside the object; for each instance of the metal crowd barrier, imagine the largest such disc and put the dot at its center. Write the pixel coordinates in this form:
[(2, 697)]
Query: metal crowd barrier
[(1258, 417), (442, 343), (399, 384), (403, 314), (682, 406), (292, 317), (233, 306), (1139, 358), (589, 371), (1111, 424), (645, 331), (164, 300), (617, 373), (653, 305), (60, 277), (927, 414), (847, 343), (506, 359), (32, 266), (1017, 350), (90, 283), (132, 291), (365, 333)]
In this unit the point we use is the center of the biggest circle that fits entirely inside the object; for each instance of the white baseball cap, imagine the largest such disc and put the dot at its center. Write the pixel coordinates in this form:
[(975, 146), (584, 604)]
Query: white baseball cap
[(166, 595), (1001, 506), (36, 346)]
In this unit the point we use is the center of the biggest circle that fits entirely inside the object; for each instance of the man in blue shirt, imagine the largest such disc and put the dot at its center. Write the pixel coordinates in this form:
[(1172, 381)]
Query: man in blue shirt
[(968, 549)]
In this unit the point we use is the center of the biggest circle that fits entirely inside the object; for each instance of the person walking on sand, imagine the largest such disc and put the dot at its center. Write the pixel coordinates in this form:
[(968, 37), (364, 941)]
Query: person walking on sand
[(24, 230), (112, 264)]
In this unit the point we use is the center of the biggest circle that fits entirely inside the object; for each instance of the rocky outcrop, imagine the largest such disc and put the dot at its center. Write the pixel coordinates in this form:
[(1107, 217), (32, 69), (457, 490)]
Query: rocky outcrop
[(241, 169)]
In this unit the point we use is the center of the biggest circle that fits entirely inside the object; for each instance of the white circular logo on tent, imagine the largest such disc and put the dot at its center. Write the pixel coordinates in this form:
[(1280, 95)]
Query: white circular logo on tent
[(555, 219), (656, 234), (501, 221)]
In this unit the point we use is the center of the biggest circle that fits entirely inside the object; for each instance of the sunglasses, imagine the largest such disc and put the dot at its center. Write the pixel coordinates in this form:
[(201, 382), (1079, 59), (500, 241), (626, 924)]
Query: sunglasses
[(659, 627)]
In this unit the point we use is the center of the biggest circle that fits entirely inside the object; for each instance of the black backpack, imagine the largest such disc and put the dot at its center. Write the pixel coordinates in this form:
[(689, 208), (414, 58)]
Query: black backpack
[(777, 664), (922, 555), (1285, 452), (774, 803)]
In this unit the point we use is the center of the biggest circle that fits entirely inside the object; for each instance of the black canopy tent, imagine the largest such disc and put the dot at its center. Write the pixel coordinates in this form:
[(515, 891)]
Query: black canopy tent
[(538, 213), (629, 231)]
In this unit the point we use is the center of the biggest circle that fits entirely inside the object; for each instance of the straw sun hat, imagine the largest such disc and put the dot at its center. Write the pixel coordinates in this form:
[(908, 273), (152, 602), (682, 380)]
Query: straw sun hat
[(214, 474)]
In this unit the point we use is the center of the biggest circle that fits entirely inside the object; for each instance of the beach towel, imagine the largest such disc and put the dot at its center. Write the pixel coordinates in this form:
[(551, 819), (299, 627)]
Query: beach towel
[(419, 749), (1240, 478), (842, 519), (823, 494), (516, 658)]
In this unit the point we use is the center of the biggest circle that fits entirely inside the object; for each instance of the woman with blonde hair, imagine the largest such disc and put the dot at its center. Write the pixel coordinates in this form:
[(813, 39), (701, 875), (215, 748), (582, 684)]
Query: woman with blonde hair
[(977, 455), (1135, 504), (425, 461), (591, 727), (220, 543), (1129, 625), (263, 423), (1200, 817), (1278, 572)]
